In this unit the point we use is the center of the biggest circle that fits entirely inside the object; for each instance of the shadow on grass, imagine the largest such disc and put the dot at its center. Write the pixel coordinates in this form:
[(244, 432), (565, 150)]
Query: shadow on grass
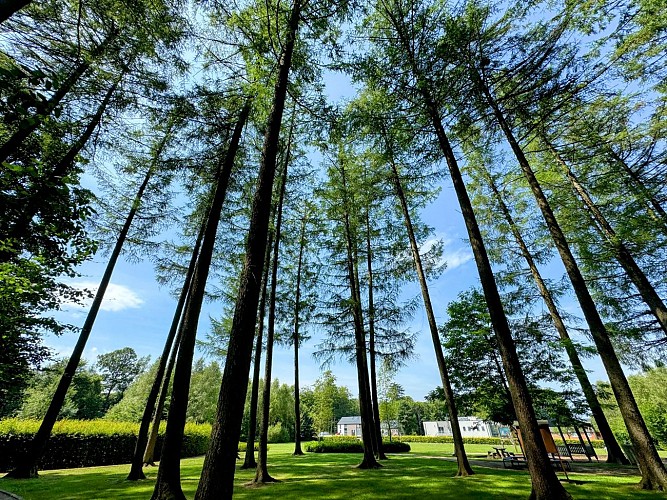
[(328, 476)]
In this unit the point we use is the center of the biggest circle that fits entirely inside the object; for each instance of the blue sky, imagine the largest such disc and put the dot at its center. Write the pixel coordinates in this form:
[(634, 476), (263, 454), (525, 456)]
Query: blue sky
[(137, 312)]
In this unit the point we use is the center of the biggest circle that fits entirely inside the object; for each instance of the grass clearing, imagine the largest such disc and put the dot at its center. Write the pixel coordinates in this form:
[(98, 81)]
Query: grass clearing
[(332, 476)]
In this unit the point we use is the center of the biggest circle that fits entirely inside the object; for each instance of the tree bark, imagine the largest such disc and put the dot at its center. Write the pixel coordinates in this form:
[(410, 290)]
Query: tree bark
[(614, 452), (654, 475), (371, 346), (217, 479), (622, 253), (262, 472), (168, 484), (136, 470), (10, 7), (27, 467), (464, 468), (249, 461)]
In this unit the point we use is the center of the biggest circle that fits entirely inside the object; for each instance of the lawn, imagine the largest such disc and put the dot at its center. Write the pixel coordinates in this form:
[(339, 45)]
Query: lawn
[(331, 476)]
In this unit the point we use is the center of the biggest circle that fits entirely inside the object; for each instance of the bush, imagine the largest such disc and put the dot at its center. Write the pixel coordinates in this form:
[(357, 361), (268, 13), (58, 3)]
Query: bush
[(335, 446), (597, 443), (88, 443), (395, 446), (278, 434), (352, 445)]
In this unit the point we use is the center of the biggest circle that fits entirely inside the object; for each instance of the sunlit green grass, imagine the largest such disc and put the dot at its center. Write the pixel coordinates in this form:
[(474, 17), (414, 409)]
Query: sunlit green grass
[(331, 476)]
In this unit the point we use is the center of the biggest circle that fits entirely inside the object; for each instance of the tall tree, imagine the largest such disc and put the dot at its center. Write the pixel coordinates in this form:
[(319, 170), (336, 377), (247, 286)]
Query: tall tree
[(217, 480), (614, 452), (27, 466), (262, 474), (168, 483), (654, 475), (411, 25)]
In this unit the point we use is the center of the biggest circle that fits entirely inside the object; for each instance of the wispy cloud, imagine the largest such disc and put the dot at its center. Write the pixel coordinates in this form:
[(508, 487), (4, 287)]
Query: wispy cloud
[(117, 297), (454, 253)]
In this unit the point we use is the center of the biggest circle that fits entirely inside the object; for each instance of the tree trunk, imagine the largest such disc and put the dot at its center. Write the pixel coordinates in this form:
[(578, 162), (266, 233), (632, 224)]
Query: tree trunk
[(371, 345), (464, 468), (44, 110), (10, 7), (136, 471), (46, 186), (27, 467), (623, 255), (545, 484), (614, 452), (296, 339), (366, 410), (168, 484), (654, 475), (652, 203), (249, 461), (262, 473), (217, 479)]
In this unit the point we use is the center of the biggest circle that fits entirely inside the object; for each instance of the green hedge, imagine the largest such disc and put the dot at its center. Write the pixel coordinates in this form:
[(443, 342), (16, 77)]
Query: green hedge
[(597, 443), (352, 446), (88, 443)]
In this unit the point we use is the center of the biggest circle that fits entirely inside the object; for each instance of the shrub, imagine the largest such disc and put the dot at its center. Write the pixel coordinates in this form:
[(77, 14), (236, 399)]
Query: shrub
[(335, 446), (395, 446), (352, 445), (87, 443), (278, 434), (597, 443)]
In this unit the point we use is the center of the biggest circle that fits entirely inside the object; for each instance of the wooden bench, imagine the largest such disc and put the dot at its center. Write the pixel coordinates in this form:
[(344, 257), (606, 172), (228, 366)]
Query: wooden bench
[(515, 462), (575, 449)]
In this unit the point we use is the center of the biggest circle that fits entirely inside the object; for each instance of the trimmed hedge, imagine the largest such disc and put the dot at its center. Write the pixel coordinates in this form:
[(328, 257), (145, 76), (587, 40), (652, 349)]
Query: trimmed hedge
[(88, 443), (352, 446), (597, 443)]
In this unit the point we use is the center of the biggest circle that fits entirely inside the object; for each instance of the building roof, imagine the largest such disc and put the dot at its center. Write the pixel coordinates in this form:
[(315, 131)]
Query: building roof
[(349, 420)]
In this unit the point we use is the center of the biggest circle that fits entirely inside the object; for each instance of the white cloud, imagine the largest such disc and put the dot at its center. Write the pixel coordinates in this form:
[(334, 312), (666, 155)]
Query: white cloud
[(453, 257), (116, 297), (456, 258)]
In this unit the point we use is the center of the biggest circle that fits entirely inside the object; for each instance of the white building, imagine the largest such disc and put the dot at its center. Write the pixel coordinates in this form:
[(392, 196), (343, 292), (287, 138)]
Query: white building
[(470, 427), (349, 426)]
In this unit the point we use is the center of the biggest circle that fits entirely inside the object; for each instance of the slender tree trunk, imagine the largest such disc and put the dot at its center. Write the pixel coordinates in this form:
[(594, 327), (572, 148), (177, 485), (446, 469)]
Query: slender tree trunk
[(296, 340), (136, 471), (168, 484), (249, 461), (651, 202), (10, 7), (149, 454), (27, 467), (262, 473), (44, 110), (371, 345), (654, 475), (545, 484), (464, 468), (52, 181), (614, 452), (623, 255), (217, 479), (365, 407)]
